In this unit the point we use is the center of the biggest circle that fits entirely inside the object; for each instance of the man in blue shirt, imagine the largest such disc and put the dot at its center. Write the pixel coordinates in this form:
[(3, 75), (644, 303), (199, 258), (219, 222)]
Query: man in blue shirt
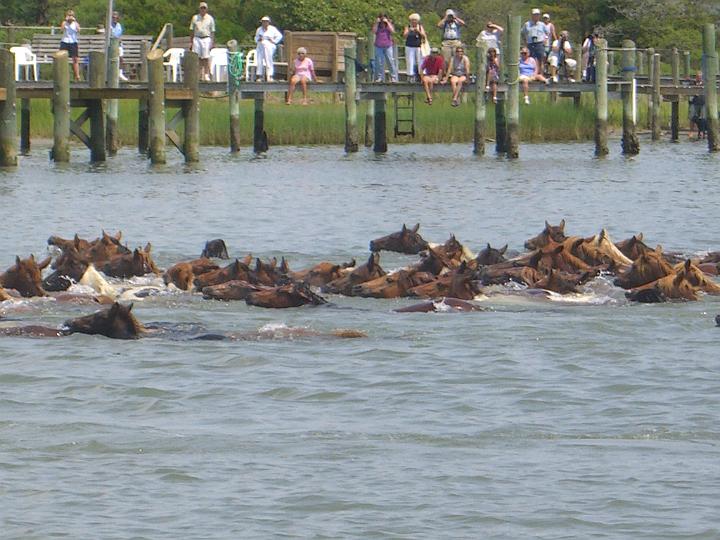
[(116, 32), (535, 33)]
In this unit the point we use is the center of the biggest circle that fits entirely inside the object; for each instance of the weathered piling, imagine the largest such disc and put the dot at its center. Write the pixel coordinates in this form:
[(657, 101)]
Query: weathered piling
[(96, 79), (480, 112), (611, 62), (710, 73), (513, 85), (8, 121), (191, 107), (655, 99), (351, 106), (24, 126), (370, 104), (112, 139), (234, 103), (630, 144), (143, 103), (379, 120), (651, 78), (640, 62), (61, 108), (156, 107), (260, 140), (601, 99), (687, 66), (675, 105)]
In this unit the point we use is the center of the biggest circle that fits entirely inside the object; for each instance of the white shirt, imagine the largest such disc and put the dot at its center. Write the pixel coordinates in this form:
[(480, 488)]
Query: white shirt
[(116, 30), (202, 27), (271, 34), (566, 47), (70, 32), (491, 38)]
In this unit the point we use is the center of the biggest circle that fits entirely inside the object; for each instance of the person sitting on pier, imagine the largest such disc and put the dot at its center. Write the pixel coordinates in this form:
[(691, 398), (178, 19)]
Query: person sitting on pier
[(528, 72), (202, 28), (432, 68), (534, 34), (301, 72), (414, 34), (383, 29), (457, 72), (561, 58), (69, 41), (450, 24), (492, 72), (267, 38)]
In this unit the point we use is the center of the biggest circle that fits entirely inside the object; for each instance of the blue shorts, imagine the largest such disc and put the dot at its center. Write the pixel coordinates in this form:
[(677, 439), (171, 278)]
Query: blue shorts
[(537, 51)]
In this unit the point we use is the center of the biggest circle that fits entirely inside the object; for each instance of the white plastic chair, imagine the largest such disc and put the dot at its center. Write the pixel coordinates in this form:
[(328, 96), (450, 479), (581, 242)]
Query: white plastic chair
[(24, 58), (219, 64), (250, 62), (173, 64)]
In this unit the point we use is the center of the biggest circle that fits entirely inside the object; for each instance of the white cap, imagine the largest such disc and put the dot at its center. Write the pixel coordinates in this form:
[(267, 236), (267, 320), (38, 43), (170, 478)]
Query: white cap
[(265, 18), (546, 16), (449, 12), (535, 11), (414, 17)]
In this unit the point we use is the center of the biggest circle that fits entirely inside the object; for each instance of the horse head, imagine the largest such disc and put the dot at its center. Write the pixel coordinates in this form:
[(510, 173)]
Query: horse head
[(69, 268), (554, 233), (114, 322), (647, 267), (404, 241), (215, 248), (489, 255), (25, 276)]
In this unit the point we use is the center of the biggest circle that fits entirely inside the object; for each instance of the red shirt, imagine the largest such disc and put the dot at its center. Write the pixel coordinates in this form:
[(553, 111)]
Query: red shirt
[(432, 65)]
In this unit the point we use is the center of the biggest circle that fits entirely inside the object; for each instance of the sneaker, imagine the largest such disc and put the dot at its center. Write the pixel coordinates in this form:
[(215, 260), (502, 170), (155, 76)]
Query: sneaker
[(122, 76), (555, 79), (570, 79), (527, 100), (270, 79), (495, 99)]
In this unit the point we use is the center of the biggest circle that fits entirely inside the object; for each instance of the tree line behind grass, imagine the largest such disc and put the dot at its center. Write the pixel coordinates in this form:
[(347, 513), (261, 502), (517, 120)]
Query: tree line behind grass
[(650, 23)]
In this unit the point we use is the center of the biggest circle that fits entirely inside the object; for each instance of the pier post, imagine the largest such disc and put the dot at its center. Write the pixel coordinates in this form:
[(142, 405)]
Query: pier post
[(25, 126), (8, 120), (380, 132), (234, 104), (480, 108), (61, 108), (630, 144), (640, 59), (675, 105), (601, 99), (513, 86), (191, 107), (96, 78), (370, 106), (113, 81), (143, 103), (351, 127), (651, 78), (156, 107), (687, 67), (260, 142), (710, 73), (611, 63), (655, 99)]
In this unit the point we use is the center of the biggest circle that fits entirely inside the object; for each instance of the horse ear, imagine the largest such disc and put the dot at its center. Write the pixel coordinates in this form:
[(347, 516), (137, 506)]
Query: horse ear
[(547, 225), (416, 228), (659, 249), (284, 266), (562, 225), (603, 235), (688, 264), (43, 264), (503, 249), (258, 264), (639, 237), (17, 260), (118, 236), (404, 229), (148, 247), (273, 263), (114, 309), (488, 246), (129, 307)]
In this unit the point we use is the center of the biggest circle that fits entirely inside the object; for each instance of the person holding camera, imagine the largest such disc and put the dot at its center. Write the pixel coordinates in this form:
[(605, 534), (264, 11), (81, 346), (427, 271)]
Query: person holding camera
[(69, 41), (450, 24), (535, 33), (414, 34), (383, 29)]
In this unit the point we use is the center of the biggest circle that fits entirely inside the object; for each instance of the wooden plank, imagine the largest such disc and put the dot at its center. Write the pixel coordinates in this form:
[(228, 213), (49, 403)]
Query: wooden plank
[(76, 128), (175, 139)]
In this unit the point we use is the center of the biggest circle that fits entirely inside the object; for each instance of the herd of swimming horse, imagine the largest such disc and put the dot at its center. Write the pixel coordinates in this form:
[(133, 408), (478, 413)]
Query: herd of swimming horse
[(447, 276)]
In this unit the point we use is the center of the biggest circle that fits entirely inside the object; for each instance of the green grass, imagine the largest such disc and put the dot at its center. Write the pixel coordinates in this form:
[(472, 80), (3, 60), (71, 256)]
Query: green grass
[(322, 122)]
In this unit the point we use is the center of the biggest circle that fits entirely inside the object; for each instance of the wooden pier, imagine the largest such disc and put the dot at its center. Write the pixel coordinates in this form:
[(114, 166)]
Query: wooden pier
[(98, 98)]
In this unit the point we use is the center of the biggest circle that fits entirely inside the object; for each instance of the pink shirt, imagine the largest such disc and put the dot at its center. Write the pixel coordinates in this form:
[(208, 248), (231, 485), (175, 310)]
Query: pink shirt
[(305, 68)]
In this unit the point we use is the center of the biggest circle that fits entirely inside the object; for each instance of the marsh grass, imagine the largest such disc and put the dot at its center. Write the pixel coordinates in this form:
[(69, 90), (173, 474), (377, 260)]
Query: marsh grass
[(322, 122)]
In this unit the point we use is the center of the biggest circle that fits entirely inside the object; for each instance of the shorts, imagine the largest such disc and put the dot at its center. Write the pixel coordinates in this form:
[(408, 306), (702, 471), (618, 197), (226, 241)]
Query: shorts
[(202, 46), (523, 78), (554, 61), (71, 48), (537, 51), (432, 78)]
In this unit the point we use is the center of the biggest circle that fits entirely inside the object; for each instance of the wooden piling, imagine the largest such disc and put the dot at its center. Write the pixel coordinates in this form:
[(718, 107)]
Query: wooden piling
[(651, 78), (25, 126), (96, 79), (640, 62), (351, 127), (480, 108), (513, 86), (675, 105), (370, 106), (234, 104), (601, 99), (191, 107), (687, 66), (655, 99), (156, 107), (710, 73), (8, 120), (611, 63), (143, 116), (630, 144), (61, 108), (260, 142), (112, 139), (379, 120)]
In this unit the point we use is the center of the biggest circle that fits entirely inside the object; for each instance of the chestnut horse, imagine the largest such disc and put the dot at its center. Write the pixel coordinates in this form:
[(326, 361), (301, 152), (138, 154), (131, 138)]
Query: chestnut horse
[(404, 241), (139, 263), (365, 272), (649, 266), (392, 285), (25, 277), (69, 268), (322, 273), (236, 270), (285, 296), (230, 290), (551, 233)]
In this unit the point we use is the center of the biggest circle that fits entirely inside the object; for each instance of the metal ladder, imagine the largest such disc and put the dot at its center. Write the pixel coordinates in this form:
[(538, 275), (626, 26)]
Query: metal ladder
[(404, 114)]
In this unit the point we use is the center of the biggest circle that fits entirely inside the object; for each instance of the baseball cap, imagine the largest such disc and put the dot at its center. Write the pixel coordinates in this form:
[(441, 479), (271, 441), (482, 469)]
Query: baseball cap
[(546, 16), (203, 4), (265, 18), (434, 50), (536, 11), (449, 12)]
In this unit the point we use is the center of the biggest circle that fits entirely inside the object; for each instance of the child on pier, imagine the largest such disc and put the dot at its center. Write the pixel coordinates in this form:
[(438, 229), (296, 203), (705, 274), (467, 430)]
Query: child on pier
[(69, 41)]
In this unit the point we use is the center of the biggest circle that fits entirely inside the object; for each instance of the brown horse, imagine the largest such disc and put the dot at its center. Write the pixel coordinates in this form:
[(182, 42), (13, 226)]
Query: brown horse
[(231, 290), (460, 283), (365, 272), (114, 322), (557, 257), (181, 275), (70, 267), (647, 267), (4, 295), (392, 285), (236, 270), (266, 273), (76, 242), (442, 305), (434, 261), (697, 278), (102, 249), (551, 233), (563, 282), (454, 252), (489, 255), (215, 248), (404, 241), (285, 296), (500, 274), (322, 273), (634, 246), (600, 250), (25, 277), (672, 287), (139, 263)]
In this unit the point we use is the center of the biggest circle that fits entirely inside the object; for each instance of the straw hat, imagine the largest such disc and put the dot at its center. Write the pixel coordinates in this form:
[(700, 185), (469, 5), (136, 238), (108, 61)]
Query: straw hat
[(414, 17)]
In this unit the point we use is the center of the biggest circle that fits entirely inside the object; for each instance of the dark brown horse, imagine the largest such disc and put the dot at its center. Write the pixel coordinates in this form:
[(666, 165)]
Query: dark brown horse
[(499, 274), (563, 282), (215, 248), (138, 263), (551, 233), (236, 270), (649, 266), (231, 290), (442, 305), (557, 257), (392, 285), (365, 272), (404, 241), (460, 283), (70, 267), (285, 296), (490, 255), (114, 322), (322, 273), (25, 277)]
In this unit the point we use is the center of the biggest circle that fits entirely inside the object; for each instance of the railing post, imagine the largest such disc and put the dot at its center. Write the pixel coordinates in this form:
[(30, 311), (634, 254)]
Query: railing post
[(601, 99), (351, 127), (8, 121), (675, 105), (143, 116), (113, 81), (156, 106), (480, 108), (687, 68), (191, 107), (61, 108), (96, 78), (233, 102), (630, 144), (651, 78), (513, 85), (710, 73), (655, 99)]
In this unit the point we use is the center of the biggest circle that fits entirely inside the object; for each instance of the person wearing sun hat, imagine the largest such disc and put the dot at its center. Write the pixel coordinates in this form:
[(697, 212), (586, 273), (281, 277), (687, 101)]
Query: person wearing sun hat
[(450, 25), (414, 35), (267, 38), (202, 31), (535, 34)]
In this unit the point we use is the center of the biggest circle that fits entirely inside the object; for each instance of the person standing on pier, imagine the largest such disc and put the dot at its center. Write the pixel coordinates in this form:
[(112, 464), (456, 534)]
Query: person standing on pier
[(534, 33), (267, 38), (116, 32), (69, 41), (383, 29), (551, 34), (450, 25), (202, 28), (414, 35)]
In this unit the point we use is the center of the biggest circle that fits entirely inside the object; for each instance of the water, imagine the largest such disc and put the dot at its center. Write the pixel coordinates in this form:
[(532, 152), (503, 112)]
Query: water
[(532, 420)]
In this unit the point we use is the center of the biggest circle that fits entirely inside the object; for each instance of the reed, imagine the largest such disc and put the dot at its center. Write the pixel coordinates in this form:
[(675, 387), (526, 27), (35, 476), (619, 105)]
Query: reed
[(323, 122)]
